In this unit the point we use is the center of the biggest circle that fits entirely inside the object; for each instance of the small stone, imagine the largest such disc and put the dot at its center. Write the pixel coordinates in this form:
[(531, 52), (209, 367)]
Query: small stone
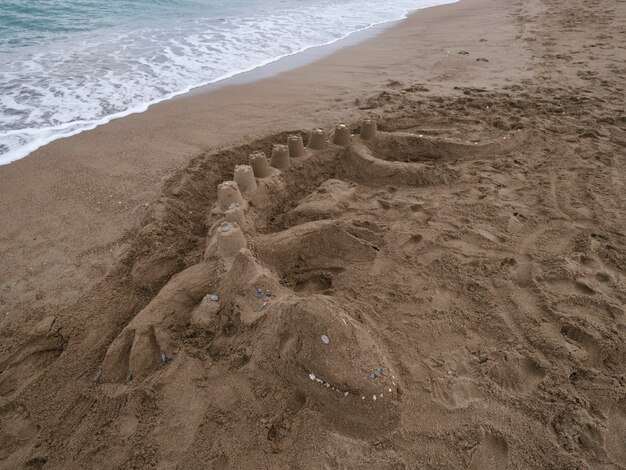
[(163, 357), (98, 375), (268, 293), (379, 370), (325, 339), (263, 305), (312, 376), (373, 376), (346, 394), (225, 228), (374, 397), (389, 390), (327, 385), (214, 297)]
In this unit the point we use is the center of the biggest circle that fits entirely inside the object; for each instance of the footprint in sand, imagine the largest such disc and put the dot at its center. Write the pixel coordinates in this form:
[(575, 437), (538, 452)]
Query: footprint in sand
[(518, 374), (454, 393), (569, 287), (15, 422), (17, 434), (491, 453), (615, 438), (27, 364), (587, 344)]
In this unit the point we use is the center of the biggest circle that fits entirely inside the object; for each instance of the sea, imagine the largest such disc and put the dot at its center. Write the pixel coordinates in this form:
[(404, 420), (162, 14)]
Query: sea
[(67, 66)]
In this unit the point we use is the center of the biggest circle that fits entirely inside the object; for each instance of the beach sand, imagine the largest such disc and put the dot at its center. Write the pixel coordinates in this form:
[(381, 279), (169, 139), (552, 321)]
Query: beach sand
[(448, 294)]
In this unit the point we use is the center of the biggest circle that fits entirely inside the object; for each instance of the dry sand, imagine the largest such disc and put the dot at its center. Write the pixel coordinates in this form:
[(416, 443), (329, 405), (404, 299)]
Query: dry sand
[(471, 257)]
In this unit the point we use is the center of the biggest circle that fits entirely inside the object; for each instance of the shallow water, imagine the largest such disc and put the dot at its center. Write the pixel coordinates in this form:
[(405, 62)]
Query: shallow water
[(70, 65)]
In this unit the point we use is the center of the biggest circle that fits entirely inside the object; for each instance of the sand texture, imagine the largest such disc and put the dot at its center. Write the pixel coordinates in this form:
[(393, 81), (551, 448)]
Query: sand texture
[(448, 292)]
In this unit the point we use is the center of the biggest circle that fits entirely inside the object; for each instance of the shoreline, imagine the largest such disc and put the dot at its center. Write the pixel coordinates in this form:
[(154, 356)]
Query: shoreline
[(262, 70)]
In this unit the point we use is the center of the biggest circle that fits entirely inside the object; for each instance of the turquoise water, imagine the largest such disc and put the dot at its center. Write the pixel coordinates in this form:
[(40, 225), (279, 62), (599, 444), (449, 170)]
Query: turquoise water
[(70, 65)]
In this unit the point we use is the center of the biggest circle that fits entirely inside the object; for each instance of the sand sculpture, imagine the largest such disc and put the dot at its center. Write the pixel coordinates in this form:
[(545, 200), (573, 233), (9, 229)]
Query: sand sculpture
[(253, 281), (244, 177), (271, 280), (368, 129), (228, 193), (342, 135), (317, 140), (296, 146), (259, 164), (280, 157)]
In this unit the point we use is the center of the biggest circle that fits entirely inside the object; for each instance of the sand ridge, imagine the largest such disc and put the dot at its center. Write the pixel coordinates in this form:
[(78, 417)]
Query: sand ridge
[(471, 256)]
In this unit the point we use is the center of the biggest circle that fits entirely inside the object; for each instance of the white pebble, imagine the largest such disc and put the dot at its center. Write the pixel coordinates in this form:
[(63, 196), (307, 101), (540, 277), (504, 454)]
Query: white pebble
[(374, 397), (312, 376)]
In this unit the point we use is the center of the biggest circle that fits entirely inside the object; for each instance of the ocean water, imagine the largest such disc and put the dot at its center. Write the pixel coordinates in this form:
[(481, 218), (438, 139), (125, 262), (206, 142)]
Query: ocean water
[(69, 65)]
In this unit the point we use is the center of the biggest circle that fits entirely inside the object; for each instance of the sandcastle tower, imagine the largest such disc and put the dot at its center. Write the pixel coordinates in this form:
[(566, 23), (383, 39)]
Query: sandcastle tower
[(227, 194), (368, 129), (244, 177), (317, 140), (230, 240), (280, 157), (342, 135), (260, 167), (296, 146)]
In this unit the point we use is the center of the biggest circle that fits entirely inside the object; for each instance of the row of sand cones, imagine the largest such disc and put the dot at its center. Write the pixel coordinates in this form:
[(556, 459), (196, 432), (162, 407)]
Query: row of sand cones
[(230, 194), (281, 154)]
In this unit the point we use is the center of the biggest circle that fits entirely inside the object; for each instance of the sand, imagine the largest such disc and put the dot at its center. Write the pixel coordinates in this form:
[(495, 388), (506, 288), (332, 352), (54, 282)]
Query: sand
[(448, 293)]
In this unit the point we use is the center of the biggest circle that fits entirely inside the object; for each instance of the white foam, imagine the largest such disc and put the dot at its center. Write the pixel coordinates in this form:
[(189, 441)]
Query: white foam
[(47, 93)]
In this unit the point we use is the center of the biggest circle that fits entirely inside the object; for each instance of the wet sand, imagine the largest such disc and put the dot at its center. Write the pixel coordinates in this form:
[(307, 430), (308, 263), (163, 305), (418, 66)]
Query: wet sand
[(448, 294)]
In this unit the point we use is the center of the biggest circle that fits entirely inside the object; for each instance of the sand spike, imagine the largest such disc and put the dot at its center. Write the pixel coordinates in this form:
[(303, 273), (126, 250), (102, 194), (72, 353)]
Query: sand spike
[(342, 135), (369, 128), (296, 146), (227, 194), (317, 140), (244, 177), (280, 157), (260, 167)]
